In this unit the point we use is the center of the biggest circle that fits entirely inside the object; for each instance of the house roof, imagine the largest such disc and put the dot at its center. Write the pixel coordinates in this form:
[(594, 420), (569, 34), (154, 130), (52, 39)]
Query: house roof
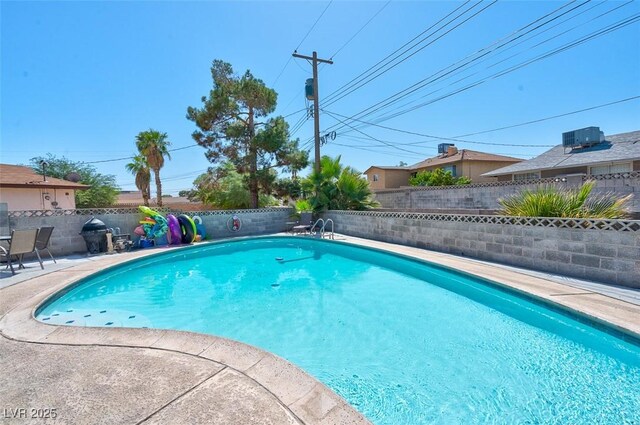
[(24, 177), (135, 197), (463, 155), (617, 147), (384, 167)]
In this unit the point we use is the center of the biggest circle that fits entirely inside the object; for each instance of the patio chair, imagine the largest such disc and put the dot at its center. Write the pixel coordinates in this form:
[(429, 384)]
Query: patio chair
[(22, 242), (42, 242), (305, 223)]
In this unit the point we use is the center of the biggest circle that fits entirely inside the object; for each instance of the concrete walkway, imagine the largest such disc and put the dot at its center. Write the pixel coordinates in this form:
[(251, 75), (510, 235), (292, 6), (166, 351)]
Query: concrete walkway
[(132, 376)]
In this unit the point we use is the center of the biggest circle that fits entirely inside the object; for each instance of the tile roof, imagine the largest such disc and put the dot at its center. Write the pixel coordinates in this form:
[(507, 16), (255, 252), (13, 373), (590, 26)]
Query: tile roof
[(617, 147), (384, 167), (135, 197), (463, 155), (20, 176)]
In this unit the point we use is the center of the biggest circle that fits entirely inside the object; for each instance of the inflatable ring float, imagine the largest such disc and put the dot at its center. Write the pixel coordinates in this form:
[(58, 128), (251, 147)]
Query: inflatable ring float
[(188, 228)]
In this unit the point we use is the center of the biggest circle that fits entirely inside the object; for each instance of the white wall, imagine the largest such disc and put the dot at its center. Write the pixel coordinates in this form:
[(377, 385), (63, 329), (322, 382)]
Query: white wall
[(21, 199)]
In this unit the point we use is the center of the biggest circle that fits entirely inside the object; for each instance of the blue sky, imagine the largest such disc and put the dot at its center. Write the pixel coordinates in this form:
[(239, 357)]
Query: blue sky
[(81, 79)]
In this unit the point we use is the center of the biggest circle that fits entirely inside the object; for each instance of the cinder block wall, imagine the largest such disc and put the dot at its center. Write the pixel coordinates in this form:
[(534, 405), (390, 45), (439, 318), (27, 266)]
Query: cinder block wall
[(607, 256), (485, 197), (66, 237)]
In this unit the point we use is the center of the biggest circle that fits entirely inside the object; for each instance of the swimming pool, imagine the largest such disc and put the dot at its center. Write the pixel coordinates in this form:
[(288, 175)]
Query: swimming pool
[(401, 340)]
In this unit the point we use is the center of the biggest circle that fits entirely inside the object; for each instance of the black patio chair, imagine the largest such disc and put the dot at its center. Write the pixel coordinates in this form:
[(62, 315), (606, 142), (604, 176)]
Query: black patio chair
[(42, 242), (305, 223)]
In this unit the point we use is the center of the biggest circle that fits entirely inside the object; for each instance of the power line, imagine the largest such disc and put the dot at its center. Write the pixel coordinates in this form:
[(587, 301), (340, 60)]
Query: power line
[(313, 26), (353, 89), (487, 55), (357, 82), (598, 33), (575, 43), (354, 79), (503, 60), (339, 49), (421, 143), (460, 64), (551, 117), (369, 148), (457, 138), (131, 157), (390, 144), (360, 30), (299, 44), (333, 114)]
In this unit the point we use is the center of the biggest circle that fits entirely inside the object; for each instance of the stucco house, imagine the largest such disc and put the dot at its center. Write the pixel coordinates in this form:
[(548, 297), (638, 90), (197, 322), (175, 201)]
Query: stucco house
[(463, 162), (23, 189), (617, 153), (133, 198)]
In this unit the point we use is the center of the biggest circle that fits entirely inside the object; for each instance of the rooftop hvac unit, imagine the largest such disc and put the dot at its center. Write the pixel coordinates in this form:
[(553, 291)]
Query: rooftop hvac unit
[(582, 138), (444, 147)]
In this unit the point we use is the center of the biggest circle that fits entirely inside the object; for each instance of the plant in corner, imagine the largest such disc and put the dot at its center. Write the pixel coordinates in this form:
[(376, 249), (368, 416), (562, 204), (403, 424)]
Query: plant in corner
[(551, 201)]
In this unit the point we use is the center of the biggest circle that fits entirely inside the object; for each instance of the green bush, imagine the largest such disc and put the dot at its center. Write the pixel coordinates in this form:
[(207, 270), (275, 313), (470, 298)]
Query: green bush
[(437, 177), (337, 188), (550, 201)]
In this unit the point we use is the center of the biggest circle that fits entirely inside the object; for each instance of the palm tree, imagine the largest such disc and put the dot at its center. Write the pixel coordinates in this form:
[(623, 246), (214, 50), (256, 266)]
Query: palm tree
[(154, 146), (337, 187), (140, 168)]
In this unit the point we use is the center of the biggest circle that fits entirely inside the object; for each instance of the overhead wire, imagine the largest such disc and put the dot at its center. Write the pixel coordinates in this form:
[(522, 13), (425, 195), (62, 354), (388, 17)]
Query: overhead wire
[(371, 148), (570, 45), (487, 56), (300, 44), (296, 127), (576, 42), (457, 138), (376, 71), (355, 79), (551, 117), (399, 108), (431, 136), (359, 30), (487, 50)]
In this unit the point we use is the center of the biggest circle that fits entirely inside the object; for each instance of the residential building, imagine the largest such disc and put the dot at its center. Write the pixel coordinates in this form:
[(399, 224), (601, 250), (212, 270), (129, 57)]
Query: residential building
[(382, 177), (21, 188), (133, 198), (617, 153), (463, 162)]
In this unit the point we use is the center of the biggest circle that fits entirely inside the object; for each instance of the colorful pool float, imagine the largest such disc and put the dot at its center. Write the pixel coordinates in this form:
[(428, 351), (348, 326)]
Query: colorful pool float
[(188, 228)]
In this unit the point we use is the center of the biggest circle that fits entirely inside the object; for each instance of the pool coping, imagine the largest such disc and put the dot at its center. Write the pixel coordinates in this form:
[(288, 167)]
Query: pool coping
[(306, 398)]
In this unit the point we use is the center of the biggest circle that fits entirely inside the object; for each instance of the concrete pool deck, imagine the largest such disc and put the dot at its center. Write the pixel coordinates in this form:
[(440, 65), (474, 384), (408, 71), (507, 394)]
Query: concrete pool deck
[(125, 375)]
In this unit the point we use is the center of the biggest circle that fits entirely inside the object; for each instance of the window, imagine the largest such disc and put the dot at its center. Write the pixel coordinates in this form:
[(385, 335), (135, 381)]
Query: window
[(451, 168), (525, 176), (611, 169), (376, 177)]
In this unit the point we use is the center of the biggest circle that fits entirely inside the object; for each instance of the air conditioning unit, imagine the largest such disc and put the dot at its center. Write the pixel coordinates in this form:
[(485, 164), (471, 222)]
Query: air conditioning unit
[(444, 147), (582, 138)]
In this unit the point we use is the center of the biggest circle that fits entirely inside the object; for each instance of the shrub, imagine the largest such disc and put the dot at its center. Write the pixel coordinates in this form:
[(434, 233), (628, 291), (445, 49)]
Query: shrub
[(550, 201), (337, 188), (437, 177)]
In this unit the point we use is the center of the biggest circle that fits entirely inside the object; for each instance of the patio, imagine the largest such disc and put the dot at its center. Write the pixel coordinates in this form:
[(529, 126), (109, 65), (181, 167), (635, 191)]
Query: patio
[(111, 375)]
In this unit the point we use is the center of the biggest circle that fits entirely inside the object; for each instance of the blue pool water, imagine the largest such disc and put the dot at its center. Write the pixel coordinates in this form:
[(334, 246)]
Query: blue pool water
[(403, 341)]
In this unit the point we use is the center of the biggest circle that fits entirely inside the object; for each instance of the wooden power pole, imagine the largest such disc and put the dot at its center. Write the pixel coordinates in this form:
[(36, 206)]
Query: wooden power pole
[(316, 103)]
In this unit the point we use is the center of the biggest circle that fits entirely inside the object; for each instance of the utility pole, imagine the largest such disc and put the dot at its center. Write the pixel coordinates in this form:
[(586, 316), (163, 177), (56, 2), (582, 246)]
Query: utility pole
[(316, 103)]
